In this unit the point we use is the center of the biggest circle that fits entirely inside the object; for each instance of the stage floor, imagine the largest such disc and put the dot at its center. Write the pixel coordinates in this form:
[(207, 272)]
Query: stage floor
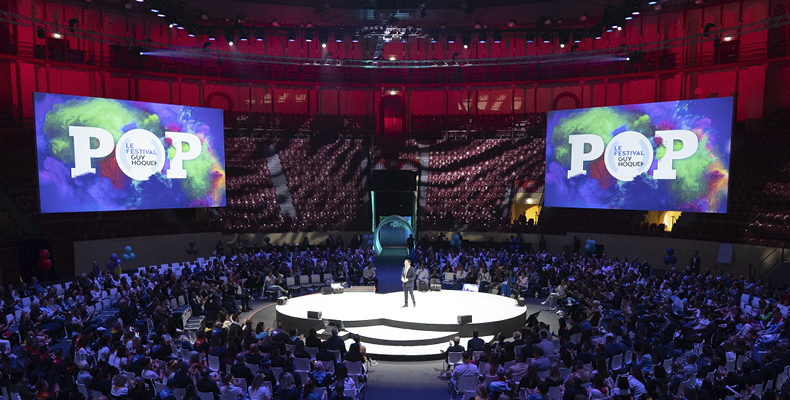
[(392, 331)]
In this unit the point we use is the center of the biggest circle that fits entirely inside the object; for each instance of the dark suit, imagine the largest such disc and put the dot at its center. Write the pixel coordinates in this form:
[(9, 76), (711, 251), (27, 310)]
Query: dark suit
[(408, 286), (241, 371), (336, 343), (475, 344)]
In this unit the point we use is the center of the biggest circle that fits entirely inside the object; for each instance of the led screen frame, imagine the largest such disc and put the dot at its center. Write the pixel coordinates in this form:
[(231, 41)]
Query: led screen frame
[(617, 157), (96, 154)]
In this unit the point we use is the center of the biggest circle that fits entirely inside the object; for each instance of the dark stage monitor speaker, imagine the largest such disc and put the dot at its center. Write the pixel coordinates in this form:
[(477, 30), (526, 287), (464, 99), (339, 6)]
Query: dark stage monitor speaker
[(464, 319), (314, 314), (326, 290), (436, 287), (521, 302), (281, 301)]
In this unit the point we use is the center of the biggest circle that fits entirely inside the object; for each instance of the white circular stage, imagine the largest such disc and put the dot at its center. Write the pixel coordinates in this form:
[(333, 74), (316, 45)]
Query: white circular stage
[(392, 332)]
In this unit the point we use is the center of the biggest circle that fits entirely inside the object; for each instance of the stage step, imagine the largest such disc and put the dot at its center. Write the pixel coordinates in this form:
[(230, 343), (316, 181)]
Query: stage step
[(387, 335), (410, 353)]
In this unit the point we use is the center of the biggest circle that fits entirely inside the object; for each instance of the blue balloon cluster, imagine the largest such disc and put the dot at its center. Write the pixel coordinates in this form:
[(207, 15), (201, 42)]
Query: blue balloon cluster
[(456, 241), (127, 255), (368, 239), (670, 257), (589, 246)]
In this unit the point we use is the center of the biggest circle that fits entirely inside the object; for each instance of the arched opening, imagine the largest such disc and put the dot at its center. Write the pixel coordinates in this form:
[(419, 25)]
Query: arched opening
[(391, 228), (392, 112)]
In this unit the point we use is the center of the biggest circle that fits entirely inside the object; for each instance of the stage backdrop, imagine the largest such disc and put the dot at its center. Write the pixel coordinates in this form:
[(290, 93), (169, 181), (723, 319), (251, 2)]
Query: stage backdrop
[(670, 156), (103, 155)]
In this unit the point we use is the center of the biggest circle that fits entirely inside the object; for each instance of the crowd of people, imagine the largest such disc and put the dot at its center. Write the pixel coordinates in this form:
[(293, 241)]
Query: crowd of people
[(61, 343), (625, 331)]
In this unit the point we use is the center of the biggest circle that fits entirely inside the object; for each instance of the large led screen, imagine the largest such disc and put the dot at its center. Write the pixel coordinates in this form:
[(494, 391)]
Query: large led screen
[(105, 155), (671, 156)]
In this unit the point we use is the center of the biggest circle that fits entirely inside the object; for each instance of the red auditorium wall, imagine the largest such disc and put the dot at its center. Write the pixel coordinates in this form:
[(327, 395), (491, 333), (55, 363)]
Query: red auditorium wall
[(22, 74)]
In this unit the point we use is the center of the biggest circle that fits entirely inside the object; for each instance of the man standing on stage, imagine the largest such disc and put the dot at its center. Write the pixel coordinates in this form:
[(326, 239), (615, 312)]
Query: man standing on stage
[(407, 277)]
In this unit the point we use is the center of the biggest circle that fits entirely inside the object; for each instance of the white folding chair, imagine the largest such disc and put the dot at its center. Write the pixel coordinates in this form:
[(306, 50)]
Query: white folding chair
[(80, 388), (454, 358), (312, 351), (254, 368), (555, 393), (466, 384), (617, 362), (337, 355), (356, 371), (205, 395), (213, 363), (301, 364)]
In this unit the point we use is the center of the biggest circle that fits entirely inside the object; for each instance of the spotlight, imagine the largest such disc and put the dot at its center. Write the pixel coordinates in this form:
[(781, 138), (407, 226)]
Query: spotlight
[(204, 17), (40, 33), (619, 28), (628, 18), (230, 43), (562, 45), (291, 38), (451, 38), (635, 13), (339, 37), (140, 1), (57, 35), (191, 34), (275, 23), (243, 38), (511, 24), (699, 2), (308, 36), (546, 37), (466, 38), (392, 58), (583, 17), (652, 3), (727, 38), (127, 6), (180, 27), (160, 15), (433, 38), (259, 36), (212, 37), (482, 37), (154, 10), (497, 37), (355, 39), (323, 45), (170, 26)]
